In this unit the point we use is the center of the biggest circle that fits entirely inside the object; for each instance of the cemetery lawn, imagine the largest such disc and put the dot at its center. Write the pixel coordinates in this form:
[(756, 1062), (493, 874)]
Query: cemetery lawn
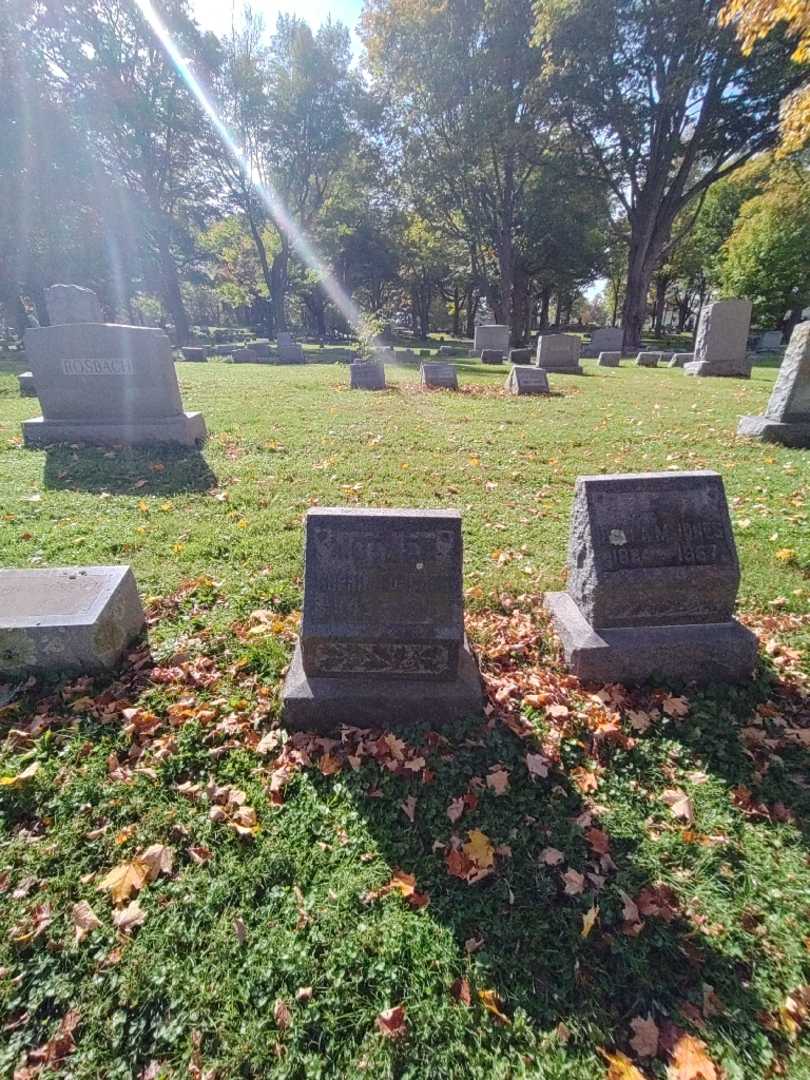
[(642, 899)]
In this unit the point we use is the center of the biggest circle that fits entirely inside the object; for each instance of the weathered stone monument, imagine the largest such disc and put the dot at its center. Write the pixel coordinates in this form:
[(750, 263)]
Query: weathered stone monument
[(681, 359), (104, 384), (76, 619), (520, 356), (433, 373), (652, 581), (559, 354), (367, 375), (26, 381), (527, 380), (721, 341), (609, 359), (382, 638), (605, 339), (491, 336), (491, 356), (289, 351), (72, 304), (787, 416), (648, 359), (769, 341)]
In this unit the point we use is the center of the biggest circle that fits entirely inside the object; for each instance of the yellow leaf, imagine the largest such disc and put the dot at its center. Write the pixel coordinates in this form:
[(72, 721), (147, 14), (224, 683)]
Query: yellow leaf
[(620, 1067), (125, 879), (786, 555), (143, 506), (588, 919), (479, 850), (18, 780), (491, 1002)]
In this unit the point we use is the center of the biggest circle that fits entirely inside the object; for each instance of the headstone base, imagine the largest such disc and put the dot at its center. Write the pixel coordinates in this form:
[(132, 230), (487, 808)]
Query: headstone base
[(567, 369), (794, 435), (323, 704), (72, 619), (705, 652), (703, 368), (188, 429)]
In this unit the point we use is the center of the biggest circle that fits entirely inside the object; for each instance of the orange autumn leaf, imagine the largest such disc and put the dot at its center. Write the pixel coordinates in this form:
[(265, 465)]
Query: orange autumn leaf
[(391, 1022), (588, 920), (492, 1003), (479, 849), (620, 1067), (125, 879), (690, 1061)]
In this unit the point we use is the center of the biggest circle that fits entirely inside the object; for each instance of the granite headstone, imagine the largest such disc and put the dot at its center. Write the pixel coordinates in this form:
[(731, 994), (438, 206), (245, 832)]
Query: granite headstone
[(491, 356), (721, 341), (491, 336), (605, 339), (786, 418), (559, 354), (681, 359), (609, 359), (648, 359), (367, 375), (434, 373), (526, 380), (652, 581), (382, 637), (72, 304)]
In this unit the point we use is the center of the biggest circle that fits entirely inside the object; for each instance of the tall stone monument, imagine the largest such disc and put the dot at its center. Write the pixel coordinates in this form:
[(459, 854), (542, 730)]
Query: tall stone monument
[(787, 416), (559, 354), (652, 581), (491, 336), (382, 638), (101, 383), (605, 339), (722, 339)]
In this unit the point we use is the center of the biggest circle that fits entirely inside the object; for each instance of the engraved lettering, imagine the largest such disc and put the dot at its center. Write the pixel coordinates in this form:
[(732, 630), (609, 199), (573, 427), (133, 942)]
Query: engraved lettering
[(114, 365)]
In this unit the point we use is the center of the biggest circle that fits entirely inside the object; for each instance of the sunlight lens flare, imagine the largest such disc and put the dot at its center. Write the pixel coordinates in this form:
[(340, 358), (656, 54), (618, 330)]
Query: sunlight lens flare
[(275, 206)]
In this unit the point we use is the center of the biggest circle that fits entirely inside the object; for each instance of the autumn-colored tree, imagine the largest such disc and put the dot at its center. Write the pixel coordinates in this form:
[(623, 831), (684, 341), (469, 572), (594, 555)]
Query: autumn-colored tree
[(755, 19)]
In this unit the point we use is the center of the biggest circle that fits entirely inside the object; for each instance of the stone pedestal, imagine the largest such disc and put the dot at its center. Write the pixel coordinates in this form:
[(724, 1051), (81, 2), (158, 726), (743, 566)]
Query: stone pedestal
[(721, 341), (367, 375), (105, 385), (382, 636), (433, 373), (76, 619), (559, 354), (527, 380), (786, 418), (653, 578)]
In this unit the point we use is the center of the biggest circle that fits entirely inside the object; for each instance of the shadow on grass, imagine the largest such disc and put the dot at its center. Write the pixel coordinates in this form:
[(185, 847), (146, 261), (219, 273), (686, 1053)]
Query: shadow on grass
[(167, 470)]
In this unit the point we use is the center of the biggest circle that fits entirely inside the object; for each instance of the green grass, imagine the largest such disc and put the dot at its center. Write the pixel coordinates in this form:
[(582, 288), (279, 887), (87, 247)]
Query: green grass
[(214, 537)]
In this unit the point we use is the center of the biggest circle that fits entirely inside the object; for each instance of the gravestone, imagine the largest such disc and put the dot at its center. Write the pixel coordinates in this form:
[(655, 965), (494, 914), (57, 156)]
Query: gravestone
[(434, 373), (104, 384), (491, 336), (196, 353), (520, 356), (367, 375), (769, 341), (652, 580), (609, 359), (446, 350), (605, 339), (260, 349), (527, 380), (722, 336), (648, 359), (787, 416), (72, 304), (382, 637), (75, 619), (243, 355), (491, 356), (26, 381), (559, 354), (289, 351), (681, 359)]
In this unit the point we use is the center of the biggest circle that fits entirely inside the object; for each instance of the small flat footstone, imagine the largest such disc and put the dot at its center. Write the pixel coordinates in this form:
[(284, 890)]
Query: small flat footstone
[(681, 359), (433, 373), (706, 652), (491, 356), (648, 359), (609, 359), (527, 380), (71, 619)]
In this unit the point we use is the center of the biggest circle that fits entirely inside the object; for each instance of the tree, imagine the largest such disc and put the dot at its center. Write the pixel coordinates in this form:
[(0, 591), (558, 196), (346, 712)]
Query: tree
[(767, 256), (754, 20), (663, 105)]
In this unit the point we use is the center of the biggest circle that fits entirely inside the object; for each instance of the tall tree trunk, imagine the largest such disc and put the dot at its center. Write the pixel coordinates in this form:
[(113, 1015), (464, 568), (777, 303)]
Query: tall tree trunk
[(661, 286), (506, 248), (520, 307), (471, 307), (172, 296), (545, 300), (456, 311), (278, 287)]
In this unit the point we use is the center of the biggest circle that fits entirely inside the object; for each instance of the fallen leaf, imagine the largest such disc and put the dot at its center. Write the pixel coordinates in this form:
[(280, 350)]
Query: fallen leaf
[(125, 879), (645, 1036), (303, 994), (84, 920), (240, 930), (574, 882), (126, 919), (461, 991), (492, 1003), (620, 1067), (679, 803), (21, 777), (159, 859), (690, 1060), (479, 849), (551, 856), (282, 1014), (588, 920), (409, 807), (456, 809), (599, 841), (391, 1022), (537, 765), (675, 706), (498, 781)]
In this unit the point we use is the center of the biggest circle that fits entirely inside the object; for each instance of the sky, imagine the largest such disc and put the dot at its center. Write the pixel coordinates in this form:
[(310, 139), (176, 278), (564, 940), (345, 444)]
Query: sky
[(217, 15)]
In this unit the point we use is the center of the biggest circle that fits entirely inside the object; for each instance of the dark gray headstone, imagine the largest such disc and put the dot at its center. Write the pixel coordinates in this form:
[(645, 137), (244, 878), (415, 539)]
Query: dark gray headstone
[(605, 339), (526, 380), (559, 353), (491, 336), (382, 636), (786, 418), (648, 359), (75, 619), (433, 373), (521, 356), (491, 356), (721, 340), (653, 578), (105, 384), (367, 375), (27, 388), (609, 359), (196, 353)]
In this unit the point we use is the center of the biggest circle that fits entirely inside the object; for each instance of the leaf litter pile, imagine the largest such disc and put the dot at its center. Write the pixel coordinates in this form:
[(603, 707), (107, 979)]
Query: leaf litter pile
[(590, 881)]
